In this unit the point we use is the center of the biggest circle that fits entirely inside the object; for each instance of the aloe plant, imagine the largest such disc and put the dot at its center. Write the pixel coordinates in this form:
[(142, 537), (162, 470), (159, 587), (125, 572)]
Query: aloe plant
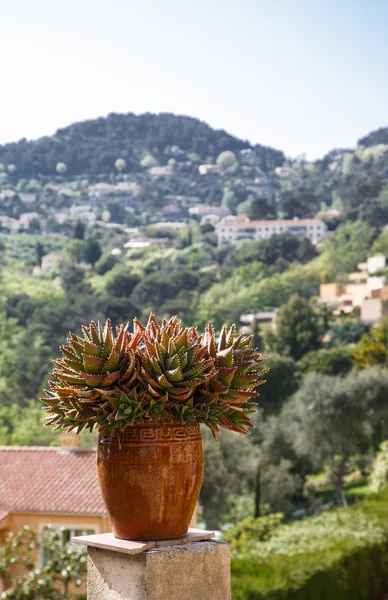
[(160, 372)]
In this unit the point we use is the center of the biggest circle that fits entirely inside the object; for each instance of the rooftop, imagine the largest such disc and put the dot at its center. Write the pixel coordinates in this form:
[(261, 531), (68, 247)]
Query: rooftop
[(38, 479)]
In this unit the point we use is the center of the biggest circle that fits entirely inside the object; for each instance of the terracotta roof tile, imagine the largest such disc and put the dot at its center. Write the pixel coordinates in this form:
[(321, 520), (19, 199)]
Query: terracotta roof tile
[(49, 480)]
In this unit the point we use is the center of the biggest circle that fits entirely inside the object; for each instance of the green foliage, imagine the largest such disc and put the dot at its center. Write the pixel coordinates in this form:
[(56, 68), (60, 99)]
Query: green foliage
[(227, 160), (373, 347), (93, 146), (380, 245), (349, 246), (282, 246), (297, 330), (282, 381), (340, 555), (379, 473), (347, 331), (250, 531), (105, 263), (336, 361), (66, 564)]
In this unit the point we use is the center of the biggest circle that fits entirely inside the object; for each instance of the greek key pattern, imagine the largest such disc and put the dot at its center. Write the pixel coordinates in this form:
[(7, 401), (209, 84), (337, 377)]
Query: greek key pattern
[(150, 435)]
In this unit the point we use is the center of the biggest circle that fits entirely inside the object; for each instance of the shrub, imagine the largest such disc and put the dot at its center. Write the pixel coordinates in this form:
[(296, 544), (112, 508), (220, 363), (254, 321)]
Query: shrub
[(341, 555), (336, 361), (379, 473)]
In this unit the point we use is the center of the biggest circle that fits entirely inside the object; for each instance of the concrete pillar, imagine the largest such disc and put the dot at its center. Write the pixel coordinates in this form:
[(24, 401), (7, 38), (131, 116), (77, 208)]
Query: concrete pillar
[(193, 570)]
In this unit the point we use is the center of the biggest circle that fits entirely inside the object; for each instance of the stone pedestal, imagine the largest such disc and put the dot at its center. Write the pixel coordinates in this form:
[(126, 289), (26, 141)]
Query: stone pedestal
[(167, 570)]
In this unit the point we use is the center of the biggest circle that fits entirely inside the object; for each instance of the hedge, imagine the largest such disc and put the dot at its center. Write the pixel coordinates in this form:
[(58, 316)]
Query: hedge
[(341, 555)]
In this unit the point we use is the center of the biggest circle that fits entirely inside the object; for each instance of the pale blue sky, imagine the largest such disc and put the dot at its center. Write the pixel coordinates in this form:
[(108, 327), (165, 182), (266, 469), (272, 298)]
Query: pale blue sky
[(299, 75)]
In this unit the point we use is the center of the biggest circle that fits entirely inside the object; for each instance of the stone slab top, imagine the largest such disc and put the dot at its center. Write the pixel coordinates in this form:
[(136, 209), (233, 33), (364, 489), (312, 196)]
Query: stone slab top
[(107, 541)]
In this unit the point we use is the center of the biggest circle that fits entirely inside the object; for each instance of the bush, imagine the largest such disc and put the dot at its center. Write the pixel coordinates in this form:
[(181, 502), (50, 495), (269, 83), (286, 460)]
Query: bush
[(252, 530), (336, 361), (379, 473), (340, 555)]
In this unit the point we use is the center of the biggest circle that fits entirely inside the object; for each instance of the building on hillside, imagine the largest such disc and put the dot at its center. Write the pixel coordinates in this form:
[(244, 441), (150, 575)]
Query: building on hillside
[(50, 261), (202, 210), (329, 291), (207, 169), (375, 263), (232, 229), (371, 310), (381, 293), (174, 225), (28, 198), (27, 218), (58, 486), (8, 223), (262, 318), (162, 171), (171, 209), (144, 242), (210, 219)]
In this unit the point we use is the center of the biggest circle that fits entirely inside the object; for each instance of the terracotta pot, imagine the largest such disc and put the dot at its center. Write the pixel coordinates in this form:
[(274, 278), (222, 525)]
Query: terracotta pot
[(150, 479)]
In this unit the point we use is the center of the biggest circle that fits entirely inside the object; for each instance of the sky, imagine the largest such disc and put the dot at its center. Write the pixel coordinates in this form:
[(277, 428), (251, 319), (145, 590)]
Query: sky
[(304, 76)]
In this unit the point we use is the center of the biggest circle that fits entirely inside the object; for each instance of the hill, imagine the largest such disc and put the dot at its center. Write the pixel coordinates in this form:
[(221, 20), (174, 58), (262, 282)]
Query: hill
[(92, 147)]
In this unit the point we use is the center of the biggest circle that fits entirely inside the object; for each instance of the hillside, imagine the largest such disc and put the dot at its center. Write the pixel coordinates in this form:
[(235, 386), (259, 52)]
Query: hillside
[(92, 147)]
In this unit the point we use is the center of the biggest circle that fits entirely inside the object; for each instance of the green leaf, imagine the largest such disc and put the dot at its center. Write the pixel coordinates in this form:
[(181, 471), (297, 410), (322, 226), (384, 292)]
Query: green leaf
[(92, 364)]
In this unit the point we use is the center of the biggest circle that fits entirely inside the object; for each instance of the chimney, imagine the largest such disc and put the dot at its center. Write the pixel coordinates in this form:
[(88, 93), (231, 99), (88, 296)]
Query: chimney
[(69, 441)]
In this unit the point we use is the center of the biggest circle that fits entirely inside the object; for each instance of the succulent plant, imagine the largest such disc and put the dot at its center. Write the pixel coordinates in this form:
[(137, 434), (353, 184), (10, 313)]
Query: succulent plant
[(173, 364), (93, 368), (238, 372), (161, 372)]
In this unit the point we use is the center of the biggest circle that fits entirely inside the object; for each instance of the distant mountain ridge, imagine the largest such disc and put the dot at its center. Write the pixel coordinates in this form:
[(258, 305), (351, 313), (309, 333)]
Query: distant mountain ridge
[(91, 147)]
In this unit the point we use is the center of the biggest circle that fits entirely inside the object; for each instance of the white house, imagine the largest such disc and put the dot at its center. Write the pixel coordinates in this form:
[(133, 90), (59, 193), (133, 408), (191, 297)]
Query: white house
[(231, 229)]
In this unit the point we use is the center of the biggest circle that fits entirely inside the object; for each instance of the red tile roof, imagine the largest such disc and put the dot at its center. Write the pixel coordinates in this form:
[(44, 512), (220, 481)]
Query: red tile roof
[(49, 480)]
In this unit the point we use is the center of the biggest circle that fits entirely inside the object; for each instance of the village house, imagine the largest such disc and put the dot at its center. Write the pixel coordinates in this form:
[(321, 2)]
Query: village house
[(57, 486), (232, 229), (261, 318), (27, 218), (202, 210), (174, 225), (163, 171), (364, 290), (206, 169)]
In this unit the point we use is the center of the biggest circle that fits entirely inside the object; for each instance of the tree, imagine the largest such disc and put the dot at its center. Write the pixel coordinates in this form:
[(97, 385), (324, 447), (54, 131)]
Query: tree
[(260, 209), (298, 204), (227, 160), (92, 251), (373, 347), (75, 250), (329, 423), (148, 161), (229, 200), (65, 564), (105, 263), (347, 331), (120, 164), (349, 245), (122, 283), (79, 231), (335, 361), (39, 249), (297, 328), (61, 168), (282, 380)]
